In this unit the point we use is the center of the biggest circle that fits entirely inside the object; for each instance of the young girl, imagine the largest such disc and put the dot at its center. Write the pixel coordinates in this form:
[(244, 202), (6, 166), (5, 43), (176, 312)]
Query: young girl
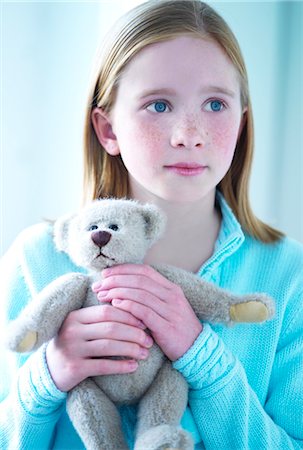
[(169, 121)]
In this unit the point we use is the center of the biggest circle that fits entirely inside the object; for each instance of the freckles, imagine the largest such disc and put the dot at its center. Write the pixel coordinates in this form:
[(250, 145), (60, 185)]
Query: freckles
[(149, 137), (224, 143)]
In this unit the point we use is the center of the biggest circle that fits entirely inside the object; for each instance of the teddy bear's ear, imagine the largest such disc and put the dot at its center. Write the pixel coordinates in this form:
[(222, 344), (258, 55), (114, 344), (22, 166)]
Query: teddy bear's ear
[(61, 231), (155, 222)]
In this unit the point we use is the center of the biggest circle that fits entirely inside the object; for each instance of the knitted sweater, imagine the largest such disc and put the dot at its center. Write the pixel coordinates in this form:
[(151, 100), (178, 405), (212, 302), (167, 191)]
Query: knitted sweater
[(245, 382)]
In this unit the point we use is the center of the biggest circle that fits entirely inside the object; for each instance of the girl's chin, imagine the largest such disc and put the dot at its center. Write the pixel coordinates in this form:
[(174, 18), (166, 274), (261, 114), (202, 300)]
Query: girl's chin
[(173, 193), (184, 197)]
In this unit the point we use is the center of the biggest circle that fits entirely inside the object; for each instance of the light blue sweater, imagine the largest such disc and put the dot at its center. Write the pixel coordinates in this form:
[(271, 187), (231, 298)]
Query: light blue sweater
[(246, 381)]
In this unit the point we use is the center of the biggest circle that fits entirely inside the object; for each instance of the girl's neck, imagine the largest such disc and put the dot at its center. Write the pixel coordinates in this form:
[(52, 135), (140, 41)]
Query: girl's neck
[(190, 235)]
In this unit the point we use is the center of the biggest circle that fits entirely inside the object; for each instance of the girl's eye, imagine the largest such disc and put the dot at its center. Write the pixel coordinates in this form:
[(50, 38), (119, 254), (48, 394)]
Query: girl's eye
[(159, 107), (113, 226), (93, 228), (214, 106)]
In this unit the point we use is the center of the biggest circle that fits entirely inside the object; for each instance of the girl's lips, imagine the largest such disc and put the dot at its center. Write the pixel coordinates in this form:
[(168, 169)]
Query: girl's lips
[(186, 169)]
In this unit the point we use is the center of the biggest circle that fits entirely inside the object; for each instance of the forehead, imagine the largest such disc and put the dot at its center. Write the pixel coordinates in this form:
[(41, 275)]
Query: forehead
[(179, 59)]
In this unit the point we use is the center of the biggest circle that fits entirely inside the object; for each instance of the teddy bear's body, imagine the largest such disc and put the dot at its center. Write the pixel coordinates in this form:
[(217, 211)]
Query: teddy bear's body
[(106, 233)]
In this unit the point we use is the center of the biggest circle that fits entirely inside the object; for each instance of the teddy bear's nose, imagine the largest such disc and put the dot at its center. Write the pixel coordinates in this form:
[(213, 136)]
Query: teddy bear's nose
[(101, 238)]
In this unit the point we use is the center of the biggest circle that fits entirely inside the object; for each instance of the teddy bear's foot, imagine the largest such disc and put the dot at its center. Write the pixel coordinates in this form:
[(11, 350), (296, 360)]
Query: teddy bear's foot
[(164, 437), (20, 340), (252, 311), (28, 342)]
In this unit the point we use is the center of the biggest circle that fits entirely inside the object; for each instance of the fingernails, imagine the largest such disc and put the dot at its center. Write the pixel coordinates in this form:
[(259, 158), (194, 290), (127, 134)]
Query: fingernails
[(148, 341), (96, 286), (143, 353), (133, 365), (116, 302), (141, 325), (102, 294), (105, 272)]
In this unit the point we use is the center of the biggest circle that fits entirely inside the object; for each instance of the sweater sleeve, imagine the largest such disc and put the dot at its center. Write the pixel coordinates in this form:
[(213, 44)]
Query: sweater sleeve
[(30, 403), (29, 413), (228, 412)]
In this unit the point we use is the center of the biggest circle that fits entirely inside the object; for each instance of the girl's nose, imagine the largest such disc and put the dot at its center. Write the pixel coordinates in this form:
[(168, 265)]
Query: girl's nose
[(188, 134)]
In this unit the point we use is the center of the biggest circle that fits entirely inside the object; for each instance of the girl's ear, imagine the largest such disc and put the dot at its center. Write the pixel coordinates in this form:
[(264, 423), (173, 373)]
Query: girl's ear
[(104, 131)]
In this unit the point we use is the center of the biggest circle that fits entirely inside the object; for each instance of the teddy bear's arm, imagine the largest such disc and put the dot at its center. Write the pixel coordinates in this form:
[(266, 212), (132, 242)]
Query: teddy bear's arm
[(216, 305), (42, 317)]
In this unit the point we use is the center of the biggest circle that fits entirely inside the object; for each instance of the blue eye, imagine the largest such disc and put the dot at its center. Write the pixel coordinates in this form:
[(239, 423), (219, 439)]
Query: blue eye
[(93, 228), (215, 106), (159, 107), (113, 226)]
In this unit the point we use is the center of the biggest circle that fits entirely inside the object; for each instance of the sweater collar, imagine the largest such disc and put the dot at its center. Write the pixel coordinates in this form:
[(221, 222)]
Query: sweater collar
[(229, 240)]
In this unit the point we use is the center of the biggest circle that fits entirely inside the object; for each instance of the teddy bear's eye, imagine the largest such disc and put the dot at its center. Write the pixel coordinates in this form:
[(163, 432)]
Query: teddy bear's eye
[(93, 228), (113, 226)]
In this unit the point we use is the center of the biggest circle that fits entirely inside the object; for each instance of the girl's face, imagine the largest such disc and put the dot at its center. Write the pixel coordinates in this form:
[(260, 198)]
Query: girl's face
[(176, 119)]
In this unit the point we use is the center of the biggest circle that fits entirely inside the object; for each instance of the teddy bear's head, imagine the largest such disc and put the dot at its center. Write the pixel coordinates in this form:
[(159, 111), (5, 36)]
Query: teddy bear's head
[(109, 232)]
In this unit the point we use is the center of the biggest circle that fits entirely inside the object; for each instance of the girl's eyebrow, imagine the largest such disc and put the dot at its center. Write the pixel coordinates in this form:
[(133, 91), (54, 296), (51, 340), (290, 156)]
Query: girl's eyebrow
[(161, 91), (220, 90), (172, 92)]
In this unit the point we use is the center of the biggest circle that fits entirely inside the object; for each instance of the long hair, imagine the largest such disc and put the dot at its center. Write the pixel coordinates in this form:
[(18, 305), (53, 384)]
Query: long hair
[(148, 23)]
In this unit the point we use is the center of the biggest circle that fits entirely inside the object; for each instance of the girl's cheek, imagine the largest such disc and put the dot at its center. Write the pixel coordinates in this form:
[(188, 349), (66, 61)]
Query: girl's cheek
[(224, 141), (149, 136)]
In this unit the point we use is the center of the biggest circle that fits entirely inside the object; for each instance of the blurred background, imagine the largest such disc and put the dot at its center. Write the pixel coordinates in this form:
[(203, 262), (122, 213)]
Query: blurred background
[(47, 53)]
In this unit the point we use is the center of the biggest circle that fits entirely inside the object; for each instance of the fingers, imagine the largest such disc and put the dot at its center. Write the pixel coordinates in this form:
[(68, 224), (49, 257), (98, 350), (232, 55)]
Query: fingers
[(137, 270), (136, 295), (104, 313), (115, 331), (89, 337), (102, 338), (151, 318), (96, 367), (68, 371), (109, 347)]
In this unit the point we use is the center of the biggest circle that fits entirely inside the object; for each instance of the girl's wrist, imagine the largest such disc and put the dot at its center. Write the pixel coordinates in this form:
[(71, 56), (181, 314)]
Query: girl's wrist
[(36, 390)]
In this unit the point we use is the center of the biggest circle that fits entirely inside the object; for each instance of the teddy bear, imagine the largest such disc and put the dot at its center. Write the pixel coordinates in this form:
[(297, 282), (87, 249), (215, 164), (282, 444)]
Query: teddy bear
[(104, 233)]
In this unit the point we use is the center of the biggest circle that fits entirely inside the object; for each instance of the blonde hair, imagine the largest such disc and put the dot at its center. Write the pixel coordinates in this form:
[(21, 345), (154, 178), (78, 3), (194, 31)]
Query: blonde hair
[(148, 23)]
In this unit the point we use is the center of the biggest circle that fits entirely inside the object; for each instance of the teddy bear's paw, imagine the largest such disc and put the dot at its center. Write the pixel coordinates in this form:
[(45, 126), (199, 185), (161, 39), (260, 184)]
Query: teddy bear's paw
[(28, 342), (164, 437), (253, 311)]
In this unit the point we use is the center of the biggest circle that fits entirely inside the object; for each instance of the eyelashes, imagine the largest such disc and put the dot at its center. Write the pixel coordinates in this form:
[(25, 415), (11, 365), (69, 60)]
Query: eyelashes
[(163, 106), (215, 105), (158, 106)]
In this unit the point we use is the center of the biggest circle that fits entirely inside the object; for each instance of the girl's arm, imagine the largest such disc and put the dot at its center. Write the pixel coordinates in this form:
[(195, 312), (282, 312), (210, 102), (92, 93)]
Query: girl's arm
[(29, 413), (30, 403), (226, 409)]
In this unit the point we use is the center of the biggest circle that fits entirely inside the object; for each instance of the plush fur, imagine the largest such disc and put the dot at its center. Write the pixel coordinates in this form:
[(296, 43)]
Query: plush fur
[(124, 230)]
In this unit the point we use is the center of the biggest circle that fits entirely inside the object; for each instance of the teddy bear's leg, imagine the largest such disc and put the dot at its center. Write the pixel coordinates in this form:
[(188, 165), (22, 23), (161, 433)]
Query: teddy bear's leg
[(95, 417), (42, 317), (160, 412), (217, 305)]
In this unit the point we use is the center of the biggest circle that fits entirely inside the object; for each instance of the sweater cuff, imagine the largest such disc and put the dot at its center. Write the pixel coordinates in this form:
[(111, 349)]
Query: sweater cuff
[(37, 392), (208, 365)]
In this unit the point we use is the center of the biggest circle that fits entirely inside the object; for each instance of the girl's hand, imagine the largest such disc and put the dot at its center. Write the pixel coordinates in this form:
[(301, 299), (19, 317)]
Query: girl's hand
[(88, 337), (157, 302)]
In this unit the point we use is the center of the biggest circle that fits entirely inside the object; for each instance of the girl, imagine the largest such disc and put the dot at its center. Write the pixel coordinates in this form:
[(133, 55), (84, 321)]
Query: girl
[(169, 121)]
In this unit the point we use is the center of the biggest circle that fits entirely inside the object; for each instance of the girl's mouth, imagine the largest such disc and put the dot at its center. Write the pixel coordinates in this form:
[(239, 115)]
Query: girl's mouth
[(186, 169)]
